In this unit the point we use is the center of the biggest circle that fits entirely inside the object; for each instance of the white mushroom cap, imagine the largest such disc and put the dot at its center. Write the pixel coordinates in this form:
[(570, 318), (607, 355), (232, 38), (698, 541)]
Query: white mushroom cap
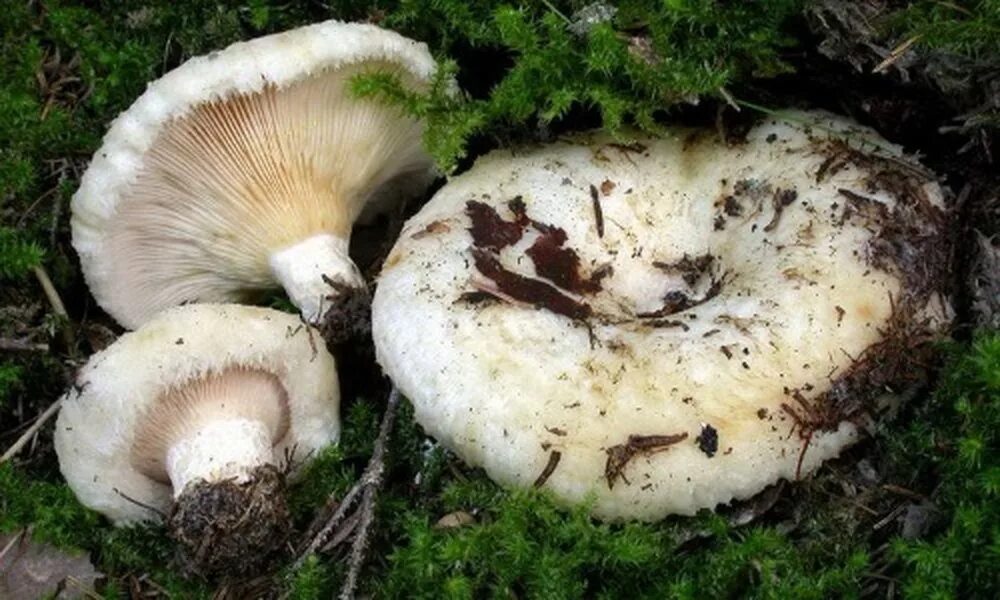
[(244, 170), (724, 307), (201, 391)]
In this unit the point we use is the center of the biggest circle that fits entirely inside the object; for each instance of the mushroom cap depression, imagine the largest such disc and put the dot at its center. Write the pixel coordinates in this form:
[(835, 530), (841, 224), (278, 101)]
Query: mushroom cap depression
[(244, 169), (122, 413), (666, 324)]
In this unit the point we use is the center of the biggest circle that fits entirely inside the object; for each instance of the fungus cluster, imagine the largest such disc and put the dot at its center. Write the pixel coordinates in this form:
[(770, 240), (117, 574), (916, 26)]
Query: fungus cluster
[(660, 326), (669, 324)]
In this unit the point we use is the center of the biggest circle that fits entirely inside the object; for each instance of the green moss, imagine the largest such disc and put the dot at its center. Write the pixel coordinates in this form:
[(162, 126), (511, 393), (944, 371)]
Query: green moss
[(146, 550), (526, 546), (967, 27), (314, 580), (17, 256), (55, 516), (335, 469), (10, 381), (51, 509), (650, 56), (957, 441)]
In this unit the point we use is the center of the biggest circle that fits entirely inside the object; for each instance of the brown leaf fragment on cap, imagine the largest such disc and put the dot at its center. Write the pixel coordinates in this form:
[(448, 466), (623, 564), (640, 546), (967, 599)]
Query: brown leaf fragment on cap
[(478, 297), (690, 268), (867, 208), (667, 324), (561, 265), (732, 206), (708, 440), (554, 457), (637, 445), (782, 198), (491, 231), (525, 289), (830, 167), (598, 212), (432, 228)]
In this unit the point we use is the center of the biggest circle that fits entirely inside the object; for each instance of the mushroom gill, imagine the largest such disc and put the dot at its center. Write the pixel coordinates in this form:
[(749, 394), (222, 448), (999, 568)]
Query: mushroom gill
[(233, 193), (212, 440), (240, 405)]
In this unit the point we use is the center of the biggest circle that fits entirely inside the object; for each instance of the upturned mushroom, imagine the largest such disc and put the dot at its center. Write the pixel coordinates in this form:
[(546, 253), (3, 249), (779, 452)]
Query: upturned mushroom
[(668, 324), (244, 170), (178, 420)]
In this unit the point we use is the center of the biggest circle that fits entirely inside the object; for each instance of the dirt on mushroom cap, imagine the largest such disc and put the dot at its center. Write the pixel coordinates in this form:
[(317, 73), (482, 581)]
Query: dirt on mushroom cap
[(800, 292)]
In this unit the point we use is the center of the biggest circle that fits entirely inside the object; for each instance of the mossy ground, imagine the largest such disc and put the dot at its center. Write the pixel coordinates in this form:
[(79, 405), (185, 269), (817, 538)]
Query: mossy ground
[(914, 510)]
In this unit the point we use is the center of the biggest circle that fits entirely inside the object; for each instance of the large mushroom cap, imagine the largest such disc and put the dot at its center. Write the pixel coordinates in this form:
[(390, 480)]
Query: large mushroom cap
[(136, 401), (244, 170), (667, 324)]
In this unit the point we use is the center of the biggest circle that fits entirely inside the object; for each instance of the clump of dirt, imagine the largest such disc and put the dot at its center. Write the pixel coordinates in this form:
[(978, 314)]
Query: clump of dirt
[(229, 529)]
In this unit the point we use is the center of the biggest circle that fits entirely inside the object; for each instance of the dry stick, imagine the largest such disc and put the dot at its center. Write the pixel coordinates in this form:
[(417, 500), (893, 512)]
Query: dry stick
[(13, 542), (31, 431), (895, 55), (57, 305), (377, 474), (367, 487), (15, 345)]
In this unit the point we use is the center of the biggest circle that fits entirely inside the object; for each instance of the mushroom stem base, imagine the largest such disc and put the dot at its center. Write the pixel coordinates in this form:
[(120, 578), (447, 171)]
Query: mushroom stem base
[(226, 529), (349, 316), (311, 270)]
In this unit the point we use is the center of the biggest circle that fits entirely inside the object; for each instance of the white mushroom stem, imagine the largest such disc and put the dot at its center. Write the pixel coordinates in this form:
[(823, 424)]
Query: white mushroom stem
[(223, 449), (304, 268)]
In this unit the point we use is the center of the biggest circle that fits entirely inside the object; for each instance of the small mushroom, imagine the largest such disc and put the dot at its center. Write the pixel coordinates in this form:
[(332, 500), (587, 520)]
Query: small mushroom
[(667, 324), (244, 170), (182, 420)]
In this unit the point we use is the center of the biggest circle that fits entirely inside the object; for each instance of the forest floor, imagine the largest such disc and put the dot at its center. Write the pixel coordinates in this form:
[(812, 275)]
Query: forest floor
[(912, 511)]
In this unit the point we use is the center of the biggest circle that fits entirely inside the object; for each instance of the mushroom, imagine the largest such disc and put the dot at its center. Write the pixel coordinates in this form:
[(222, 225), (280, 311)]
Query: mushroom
[(181, 420), (669, 324), (245, 169)]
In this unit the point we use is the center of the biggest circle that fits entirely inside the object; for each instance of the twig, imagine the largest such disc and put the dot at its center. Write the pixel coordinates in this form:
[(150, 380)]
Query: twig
[(374, 474), (367, 489), (895, 55), (13, 542), (556, 12), (889, 517), (15, 345), (57, 305), (31, 431), (902, 491), (128, 498), (728, 98)]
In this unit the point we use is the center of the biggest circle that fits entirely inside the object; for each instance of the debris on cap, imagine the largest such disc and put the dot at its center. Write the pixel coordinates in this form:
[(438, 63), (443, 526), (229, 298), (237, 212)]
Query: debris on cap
[(666, 324)]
